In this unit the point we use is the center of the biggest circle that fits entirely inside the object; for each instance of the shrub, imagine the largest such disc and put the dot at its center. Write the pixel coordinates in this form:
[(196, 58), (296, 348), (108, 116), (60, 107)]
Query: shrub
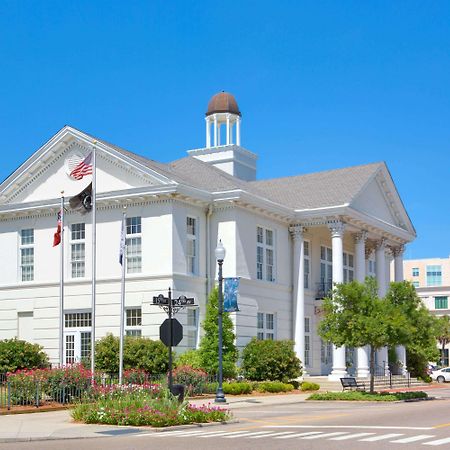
[(237, 388), (194, 379), (189, 358), (270, 360), (307, 386), (135, 376), (274, 386), (16, 354), (209, 347), (23, 384), (138, 353), (295, 383), (65, 383), (366, 396)]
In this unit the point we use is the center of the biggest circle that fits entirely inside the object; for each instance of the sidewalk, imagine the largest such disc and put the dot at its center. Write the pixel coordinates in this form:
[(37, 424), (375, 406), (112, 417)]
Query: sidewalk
[(59, 424)]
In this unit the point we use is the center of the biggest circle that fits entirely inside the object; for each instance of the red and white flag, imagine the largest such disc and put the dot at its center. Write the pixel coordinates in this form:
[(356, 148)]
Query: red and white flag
[(57, 235), (83, 168)]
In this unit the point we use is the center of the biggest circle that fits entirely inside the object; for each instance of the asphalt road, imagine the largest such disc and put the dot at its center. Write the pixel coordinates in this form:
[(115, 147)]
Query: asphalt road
[(306, 425)]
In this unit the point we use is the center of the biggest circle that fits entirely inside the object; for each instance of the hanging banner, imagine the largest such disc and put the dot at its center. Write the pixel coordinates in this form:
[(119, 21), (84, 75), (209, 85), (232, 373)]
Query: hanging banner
[(230, 296)]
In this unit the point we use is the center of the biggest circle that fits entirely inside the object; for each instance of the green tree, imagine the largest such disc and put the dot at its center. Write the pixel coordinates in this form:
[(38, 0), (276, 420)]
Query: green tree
[(209, 344), (356, 316), (443, 334), (421, 343)]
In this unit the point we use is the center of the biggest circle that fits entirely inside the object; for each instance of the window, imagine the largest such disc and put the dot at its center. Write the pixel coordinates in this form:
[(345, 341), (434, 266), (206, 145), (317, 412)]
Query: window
[(349, 268), (77, 249), (307, 264), (265, 260), (191, 245), (77, 320), (266, 326), (444, 357), (434, 276), (440, 302), (192, 327), (27, 254), (326, 352), (415, 272), (307, 342), (415, 284), (326, 270), (371, 267), (134, 245), (133, 321)]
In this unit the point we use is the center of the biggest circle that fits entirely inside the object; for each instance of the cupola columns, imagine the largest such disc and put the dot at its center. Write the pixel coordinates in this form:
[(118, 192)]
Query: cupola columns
[(232, 125)]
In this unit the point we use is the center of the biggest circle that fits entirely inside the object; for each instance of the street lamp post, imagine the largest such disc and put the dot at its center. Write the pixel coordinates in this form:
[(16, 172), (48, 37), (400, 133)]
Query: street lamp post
[(220, 256)]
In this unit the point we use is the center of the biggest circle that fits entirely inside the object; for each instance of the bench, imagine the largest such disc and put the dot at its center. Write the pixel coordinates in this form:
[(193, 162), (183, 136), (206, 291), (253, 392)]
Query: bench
[(352, 384)]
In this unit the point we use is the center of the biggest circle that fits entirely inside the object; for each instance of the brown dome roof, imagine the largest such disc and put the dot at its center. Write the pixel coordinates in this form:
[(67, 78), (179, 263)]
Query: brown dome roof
[(223, 102)]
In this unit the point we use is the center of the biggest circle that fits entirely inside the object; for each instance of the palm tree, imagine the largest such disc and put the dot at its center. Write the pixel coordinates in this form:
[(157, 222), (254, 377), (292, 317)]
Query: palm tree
[(443, 329)]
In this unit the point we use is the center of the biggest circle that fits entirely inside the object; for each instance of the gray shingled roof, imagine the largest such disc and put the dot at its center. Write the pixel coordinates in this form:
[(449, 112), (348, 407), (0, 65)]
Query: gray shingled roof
[(315, 190)]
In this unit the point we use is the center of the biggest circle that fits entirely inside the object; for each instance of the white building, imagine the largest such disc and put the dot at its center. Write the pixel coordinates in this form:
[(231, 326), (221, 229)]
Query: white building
[(288, 239)]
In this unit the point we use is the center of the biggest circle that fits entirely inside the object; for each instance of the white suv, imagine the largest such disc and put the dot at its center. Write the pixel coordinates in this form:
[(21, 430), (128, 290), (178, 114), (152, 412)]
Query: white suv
[(441, 375)]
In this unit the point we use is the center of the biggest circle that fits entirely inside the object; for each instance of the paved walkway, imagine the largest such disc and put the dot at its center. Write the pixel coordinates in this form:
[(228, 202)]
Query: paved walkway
[(59, 424)]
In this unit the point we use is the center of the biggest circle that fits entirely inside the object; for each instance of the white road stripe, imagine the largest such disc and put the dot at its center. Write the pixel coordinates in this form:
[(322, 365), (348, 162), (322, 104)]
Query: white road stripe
[(246, 433), (351, 436), (438, 442), (358, 427), (325, 435), (298, 435), (161, 433), (381, 437), (407, 440), (197, 433), (270, 435), (219, 433)]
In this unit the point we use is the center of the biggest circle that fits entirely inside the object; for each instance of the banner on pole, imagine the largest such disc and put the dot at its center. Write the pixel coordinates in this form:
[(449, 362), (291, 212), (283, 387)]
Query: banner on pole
[(230, 296)]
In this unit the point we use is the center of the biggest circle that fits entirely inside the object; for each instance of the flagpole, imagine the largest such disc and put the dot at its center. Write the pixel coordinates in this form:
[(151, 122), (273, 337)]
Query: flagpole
[(122, 298), (61, 287), (94, 256)]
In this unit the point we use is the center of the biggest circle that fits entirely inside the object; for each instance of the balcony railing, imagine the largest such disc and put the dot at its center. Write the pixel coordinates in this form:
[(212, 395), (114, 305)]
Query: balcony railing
[(323, 289)]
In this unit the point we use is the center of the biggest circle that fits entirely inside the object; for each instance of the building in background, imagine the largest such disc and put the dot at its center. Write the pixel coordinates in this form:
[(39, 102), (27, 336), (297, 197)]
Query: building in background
[(431, 278), (287, 239)]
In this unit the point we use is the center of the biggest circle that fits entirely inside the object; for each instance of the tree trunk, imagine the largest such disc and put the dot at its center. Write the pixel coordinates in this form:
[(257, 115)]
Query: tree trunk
[(372, 368)]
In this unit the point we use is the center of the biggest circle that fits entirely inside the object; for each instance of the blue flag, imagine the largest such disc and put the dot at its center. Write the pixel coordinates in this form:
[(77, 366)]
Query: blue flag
[(230, 296)]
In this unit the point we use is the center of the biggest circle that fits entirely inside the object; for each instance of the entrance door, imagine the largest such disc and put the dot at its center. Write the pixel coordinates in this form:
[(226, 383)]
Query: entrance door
[(77, 345), (326, 357)]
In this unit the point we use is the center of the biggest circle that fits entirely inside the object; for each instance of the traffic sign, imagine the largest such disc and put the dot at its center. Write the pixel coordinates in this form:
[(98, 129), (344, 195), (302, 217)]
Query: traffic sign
[(177, 332)]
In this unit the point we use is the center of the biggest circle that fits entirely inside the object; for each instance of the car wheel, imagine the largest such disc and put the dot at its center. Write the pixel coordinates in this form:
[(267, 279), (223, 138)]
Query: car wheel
[(440, 379)]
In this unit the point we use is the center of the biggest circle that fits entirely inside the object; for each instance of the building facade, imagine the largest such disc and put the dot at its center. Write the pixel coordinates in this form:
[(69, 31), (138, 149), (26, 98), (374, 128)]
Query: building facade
[(431, 278), (288, 239)]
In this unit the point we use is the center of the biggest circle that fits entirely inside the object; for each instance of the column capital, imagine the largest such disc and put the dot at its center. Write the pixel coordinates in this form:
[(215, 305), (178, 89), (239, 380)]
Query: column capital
[(369, 251), (398, 251), (361, 236), (380, 244), (337, 229), (297, 231)]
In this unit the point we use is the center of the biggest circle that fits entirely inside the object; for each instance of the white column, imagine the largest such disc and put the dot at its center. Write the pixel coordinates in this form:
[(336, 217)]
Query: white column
[(380, 263), (238, 131), (218, 134), (215, 130), (228, 130), (299, 291), (400, 350), (360, 275), (337, 235), (208, 132)]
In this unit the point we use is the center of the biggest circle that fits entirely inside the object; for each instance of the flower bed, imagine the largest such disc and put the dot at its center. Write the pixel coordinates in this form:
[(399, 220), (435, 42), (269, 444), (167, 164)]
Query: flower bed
[(366, 396), (141, 406)]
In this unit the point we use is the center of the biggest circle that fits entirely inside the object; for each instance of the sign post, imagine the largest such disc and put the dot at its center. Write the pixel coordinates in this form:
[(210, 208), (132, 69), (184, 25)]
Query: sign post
[(171, 331)]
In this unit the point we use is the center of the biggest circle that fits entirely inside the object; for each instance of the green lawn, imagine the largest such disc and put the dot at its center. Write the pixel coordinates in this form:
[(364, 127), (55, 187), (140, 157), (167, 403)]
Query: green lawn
[(366, 396)]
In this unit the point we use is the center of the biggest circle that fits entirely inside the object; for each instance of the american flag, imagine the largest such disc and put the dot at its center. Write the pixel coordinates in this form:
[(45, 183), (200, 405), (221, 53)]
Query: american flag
[(57, 235), (83, 168)]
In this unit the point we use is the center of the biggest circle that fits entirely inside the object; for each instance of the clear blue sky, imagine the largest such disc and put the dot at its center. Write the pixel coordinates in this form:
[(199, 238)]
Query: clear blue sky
[(321, 84)]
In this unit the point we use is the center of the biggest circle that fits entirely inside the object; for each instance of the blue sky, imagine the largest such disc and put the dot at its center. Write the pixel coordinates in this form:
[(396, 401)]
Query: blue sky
[(321, 85)]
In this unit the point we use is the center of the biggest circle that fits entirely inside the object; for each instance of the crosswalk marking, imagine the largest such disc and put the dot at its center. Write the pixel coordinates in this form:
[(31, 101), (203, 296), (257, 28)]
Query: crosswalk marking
[(220, 433), (438, 442), (351, 436), (271, 434), (290, 436), (381, 437), (246, 433), (407, 440), (325, 435)]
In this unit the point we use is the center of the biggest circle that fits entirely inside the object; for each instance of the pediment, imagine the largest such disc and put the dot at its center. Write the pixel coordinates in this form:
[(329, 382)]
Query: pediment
[(380, 200), (47, 172)]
